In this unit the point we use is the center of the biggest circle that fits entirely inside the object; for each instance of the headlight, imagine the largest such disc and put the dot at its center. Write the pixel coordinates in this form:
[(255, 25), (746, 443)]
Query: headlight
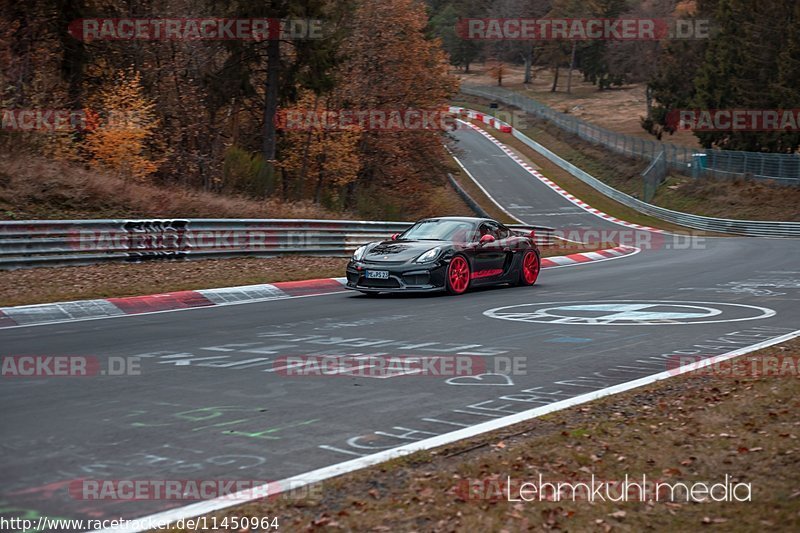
[(428, 256), (359, 253)]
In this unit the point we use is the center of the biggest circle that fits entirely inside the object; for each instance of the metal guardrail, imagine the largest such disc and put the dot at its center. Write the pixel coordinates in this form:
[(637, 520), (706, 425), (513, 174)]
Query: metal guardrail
[(653, 176), (475, 206), (750, 228), (33, 243), (783, 169)]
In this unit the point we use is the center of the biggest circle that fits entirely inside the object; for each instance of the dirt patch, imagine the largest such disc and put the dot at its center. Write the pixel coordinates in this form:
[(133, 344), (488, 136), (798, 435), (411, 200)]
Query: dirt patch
[(618, 109), (690, 429)]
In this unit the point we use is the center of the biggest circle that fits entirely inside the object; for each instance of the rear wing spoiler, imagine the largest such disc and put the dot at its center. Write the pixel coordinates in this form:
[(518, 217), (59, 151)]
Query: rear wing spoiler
[(542, 234)]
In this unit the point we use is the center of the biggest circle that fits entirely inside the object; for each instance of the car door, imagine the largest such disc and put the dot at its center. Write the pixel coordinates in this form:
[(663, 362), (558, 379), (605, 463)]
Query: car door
[(508, 243), (489, 258)]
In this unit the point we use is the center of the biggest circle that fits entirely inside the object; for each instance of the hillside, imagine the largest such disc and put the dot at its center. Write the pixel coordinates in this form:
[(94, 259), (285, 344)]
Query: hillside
[(40, 188)]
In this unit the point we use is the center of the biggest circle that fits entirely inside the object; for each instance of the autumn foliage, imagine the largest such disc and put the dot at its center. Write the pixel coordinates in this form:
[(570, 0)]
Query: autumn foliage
[(198, 113), (118, 141)]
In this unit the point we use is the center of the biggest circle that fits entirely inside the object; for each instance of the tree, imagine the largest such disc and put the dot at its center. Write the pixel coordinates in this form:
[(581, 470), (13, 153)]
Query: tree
[(119, 143), (323, 161), (497, 70), (671, 85), (787, 86), (462, 52), (524, 51), (742, 70), (401, 69), (593, 54), (557, 52)]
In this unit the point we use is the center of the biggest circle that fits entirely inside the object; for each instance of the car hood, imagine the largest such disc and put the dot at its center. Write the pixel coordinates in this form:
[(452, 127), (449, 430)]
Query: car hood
[(399, 251)]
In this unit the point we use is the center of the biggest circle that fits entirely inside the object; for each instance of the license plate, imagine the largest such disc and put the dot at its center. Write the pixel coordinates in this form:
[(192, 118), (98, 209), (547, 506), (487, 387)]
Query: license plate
[(377, 274)]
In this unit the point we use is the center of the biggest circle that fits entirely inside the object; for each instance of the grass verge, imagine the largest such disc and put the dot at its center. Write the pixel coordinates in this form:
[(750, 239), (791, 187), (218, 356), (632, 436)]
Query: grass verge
[(691, 428), (618, 109), (40, 188), (575, 186), (478, 195), (43, 285), (739, 199)]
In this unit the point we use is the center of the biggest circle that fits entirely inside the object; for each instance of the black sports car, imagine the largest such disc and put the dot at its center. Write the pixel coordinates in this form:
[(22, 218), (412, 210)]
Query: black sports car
[(447, 253)]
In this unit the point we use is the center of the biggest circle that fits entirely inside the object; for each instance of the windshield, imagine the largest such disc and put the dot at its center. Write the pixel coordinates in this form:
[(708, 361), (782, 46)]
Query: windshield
[(440, 230)]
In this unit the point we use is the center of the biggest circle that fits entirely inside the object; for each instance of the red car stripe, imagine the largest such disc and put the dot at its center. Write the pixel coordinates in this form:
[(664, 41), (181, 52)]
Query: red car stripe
[(486, 273)]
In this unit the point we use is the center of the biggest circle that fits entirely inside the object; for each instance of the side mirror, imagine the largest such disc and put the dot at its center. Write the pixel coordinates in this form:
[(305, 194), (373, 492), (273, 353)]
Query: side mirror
[(532, 236), (486, 239), (395, 236)]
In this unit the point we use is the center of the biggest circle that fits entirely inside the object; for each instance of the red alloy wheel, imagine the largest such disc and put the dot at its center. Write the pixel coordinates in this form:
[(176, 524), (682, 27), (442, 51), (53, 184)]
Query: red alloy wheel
[(530, 267), (458, 275)]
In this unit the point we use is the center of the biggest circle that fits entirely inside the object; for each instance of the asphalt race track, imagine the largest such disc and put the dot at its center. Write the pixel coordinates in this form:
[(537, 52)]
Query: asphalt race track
[(209, 402)]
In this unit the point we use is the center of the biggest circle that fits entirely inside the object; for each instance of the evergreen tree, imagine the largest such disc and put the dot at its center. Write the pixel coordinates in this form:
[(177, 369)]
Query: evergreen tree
[(750, 62), (444, 17)]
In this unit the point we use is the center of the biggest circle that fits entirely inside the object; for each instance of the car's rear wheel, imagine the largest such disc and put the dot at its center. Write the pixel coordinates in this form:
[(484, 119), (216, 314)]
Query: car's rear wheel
[(458, 275), (529, 272)]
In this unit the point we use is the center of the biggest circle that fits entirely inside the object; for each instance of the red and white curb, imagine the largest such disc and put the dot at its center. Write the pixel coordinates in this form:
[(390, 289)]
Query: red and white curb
[(33, 315), (588, 257), (29, 315), (505, 128)]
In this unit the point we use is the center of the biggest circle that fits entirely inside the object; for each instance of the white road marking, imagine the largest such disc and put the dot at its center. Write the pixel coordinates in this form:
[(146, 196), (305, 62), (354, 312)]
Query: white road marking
[(481, 380), (483, 189), (624, 313), (328, 472)]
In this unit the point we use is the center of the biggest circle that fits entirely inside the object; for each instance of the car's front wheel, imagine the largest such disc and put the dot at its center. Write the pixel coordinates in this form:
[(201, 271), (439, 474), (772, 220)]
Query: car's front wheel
[(458, 275)]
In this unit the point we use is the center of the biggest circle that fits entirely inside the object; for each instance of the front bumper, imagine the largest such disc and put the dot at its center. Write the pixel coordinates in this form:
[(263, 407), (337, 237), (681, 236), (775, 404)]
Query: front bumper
[(402, 277)]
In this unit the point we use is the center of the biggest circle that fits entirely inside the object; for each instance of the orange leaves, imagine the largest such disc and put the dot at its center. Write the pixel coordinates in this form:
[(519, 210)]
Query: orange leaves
[(390, 64), (390, 60), (498, 70), (320, 159), (118, 141)]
